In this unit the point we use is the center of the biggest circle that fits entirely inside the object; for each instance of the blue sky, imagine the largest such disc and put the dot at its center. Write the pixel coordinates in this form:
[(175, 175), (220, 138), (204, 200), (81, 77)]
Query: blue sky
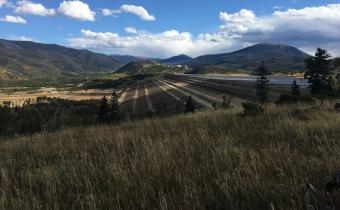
[(168, 27)]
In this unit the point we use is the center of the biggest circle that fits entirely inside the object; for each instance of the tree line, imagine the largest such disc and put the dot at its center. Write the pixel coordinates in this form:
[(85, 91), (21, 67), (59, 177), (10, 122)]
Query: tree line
[(51, 114), (319, 74)]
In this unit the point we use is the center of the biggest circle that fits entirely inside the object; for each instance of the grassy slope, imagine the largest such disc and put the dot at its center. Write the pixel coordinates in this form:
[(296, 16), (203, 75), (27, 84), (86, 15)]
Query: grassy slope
[(32, 60), (209, 160), (277, 58)]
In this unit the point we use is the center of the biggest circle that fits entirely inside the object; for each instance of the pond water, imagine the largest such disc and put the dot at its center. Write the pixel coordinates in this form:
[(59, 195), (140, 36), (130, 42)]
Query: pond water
[(274, 80)]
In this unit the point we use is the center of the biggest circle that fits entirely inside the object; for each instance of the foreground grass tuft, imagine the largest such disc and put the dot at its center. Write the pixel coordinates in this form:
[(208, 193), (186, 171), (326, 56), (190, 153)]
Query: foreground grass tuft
[(210, 160)]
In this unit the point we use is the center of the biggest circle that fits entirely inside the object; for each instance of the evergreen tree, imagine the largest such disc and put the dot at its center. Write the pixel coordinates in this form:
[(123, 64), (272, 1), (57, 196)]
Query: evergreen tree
[(337, 77), (337, 62), (103, 112), (262, 83), (4, 120), (319, 72), (190, 106), (295, 89), (114, 107), (226, 103)]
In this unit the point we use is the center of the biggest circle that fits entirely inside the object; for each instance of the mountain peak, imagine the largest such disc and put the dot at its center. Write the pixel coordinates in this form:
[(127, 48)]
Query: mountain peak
[(271, 45), (183, 55)]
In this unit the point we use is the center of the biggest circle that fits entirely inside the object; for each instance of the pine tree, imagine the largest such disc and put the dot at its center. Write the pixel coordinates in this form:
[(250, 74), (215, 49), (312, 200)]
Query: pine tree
[(114, 107), (261, 83), (295, 89), (319, 72), (190, 106), (337, 77), (337, 62), (226, 103), (103, 112)]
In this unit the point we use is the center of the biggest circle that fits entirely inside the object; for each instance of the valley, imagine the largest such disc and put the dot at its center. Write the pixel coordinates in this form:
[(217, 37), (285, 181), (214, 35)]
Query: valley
[(160, 93)]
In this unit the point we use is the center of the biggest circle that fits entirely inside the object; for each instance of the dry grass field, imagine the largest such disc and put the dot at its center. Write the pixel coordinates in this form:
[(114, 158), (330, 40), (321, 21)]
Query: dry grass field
[(18, 97), (208, 160)]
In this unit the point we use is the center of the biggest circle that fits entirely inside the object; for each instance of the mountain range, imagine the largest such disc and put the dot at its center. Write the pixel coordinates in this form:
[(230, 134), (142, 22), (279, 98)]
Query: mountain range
[(176, 60), (149, 67), (277, 57), (29, 60)]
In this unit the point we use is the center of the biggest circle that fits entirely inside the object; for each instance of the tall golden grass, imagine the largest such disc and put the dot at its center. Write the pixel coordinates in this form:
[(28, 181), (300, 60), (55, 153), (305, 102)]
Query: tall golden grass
[(208, 160)]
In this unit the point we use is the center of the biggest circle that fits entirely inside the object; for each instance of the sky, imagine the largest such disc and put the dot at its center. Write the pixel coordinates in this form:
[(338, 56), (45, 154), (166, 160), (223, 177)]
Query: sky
[(165, 28)]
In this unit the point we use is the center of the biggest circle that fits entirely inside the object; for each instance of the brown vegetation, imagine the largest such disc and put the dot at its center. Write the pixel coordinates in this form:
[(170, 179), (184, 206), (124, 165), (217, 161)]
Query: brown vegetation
[(208, 160), (19, 97)]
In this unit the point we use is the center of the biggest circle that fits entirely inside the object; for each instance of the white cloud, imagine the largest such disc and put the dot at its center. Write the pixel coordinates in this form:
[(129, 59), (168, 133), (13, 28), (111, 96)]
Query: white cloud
[(78, 10), (21, 38), (131, 30), (109, 12), (3, 2), (31, 8), (139, 11), (306, 28), (25, 38), (13, 19), (328, 11), (278, 7), (241, 22), (163, 44)]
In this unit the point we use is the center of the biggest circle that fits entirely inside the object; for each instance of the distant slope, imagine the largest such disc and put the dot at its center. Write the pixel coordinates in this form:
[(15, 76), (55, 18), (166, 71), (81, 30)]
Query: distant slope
[(176, 60), (277, 57), (34, 60), (125, 59), (146, 67)]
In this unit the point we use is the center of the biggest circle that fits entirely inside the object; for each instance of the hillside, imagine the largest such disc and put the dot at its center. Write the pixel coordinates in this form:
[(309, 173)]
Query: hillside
[(125, 59), (28, 60), (176, 60), (277, 57), (210, 160), (142, 67)]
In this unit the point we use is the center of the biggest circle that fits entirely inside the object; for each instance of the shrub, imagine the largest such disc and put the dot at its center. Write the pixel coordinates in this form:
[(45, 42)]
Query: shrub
[(292, 99), (226, 102), (287, 99), (252, 109), (337, 107)]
